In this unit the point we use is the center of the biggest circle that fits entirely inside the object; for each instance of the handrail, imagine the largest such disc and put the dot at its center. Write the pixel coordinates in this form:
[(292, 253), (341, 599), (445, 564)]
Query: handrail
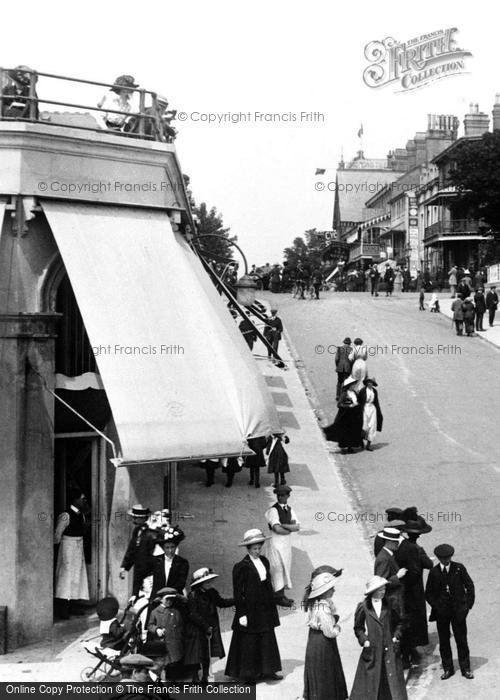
[(33, 100)]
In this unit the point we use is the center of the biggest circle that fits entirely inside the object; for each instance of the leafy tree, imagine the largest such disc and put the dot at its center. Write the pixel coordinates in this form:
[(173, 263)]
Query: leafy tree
[(215, 247), (308, 251), (475, 173)]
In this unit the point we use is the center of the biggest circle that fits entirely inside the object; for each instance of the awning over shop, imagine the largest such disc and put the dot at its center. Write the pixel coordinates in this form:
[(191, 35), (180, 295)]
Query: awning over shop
[(179, 378)]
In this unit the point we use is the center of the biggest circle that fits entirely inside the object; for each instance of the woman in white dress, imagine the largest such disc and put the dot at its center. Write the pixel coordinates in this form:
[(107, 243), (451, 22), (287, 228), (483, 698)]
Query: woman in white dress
[(372, 415), (359, 371)]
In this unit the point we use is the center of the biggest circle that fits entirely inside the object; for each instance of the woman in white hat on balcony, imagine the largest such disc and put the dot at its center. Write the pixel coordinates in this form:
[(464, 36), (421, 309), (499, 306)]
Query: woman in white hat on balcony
[(378, 627), (323, 673), (253, 654)]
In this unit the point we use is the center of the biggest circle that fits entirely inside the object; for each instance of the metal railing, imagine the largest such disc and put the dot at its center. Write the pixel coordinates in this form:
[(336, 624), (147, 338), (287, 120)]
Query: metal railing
[(462, 227), (141, 116)]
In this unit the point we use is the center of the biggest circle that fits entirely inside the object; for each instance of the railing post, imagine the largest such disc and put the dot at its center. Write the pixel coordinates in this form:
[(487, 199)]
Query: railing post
[(142, 107), (33, 105)]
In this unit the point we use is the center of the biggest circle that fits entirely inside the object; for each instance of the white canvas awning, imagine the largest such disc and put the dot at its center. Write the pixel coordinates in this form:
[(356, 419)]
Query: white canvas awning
[(180, 380), (2, 212)]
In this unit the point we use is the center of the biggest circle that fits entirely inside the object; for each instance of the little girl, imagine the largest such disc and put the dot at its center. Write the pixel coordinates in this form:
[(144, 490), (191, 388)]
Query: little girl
[(203, 637)]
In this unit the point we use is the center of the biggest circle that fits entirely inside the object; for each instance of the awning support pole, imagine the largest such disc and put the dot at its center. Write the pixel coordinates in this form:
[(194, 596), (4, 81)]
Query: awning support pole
[(116, 459)]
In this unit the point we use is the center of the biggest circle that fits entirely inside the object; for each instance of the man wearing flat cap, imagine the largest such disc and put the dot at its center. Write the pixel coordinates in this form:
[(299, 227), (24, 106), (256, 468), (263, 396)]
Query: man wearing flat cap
[(282, 521), (450, 593), (140, 548)]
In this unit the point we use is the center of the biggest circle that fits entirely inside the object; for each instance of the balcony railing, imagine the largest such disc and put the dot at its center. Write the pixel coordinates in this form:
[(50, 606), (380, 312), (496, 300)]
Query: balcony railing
[(364, 250), (457, 227), (146, 121)]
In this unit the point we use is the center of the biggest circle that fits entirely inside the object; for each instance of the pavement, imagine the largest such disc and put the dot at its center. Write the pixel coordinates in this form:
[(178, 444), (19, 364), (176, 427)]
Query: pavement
[(220, 516), (438, 449)]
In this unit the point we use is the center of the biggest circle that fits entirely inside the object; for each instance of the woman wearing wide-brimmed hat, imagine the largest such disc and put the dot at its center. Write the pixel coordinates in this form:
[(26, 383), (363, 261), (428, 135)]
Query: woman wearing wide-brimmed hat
[(118, 99), (378, 627), (413, 557), (203, 638), (372, 415), (347, 428), (323, 673), (254, 653)]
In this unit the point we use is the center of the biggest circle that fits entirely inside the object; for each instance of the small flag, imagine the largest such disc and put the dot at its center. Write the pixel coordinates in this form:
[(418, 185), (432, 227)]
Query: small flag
[(320, 171), (360, 132)]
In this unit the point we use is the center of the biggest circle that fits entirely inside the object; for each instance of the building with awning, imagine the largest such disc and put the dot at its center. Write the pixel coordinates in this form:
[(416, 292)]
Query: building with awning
[(120, 362)]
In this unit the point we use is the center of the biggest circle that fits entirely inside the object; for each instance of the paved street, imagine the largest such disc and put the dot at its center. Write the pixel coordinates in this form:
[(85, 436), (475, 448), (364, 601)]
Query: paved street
[(438, 449)]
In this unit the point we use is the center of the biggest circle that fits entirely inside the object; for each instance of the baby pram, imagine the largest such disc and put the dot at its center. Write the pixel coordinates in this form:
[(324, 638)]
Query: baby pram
[(108, 667)]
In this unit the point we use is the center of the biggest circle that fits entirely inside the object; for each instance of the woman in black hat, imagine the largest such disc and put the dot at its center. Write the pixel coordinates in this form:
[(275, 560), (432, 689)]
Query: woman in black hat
[(254, 652), (412, 556), (118, 99), (347, 428)]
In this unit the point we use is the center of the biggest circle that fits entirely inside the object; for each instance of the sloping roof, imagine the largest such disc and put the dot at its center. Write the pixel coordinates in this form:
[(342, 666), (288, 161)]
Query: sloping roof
[(355, 187)]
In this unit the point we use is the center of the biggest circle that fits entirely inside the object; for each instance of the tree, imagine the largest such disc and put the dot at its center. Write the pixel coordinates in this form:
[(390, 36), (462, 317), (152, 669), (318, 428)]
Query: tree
[(475, 173), (308, 251), (215, 246)]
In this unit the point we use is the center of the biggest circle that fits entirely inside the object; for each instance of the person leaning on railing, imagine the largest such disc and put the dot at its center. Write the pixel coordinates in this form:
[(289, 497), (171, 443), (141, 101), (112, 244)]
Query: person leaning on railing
[(14, 95), (118, 98)]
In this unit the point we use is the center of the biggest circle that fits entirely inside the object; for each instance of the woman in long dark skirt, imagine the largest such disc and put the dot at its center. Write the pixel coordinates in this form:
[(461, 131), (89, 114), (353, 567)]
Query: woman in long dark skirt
[(378, 627), (253, 653), (323, 673), (347, 428)]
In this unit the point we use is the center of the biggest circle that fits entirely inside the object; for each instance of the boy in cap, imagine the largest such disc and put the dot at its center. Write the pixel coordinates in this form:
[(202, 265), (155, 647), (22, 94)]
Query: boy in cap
[(450, 593), (167, 625), (282, 521), (272, 331), (136, 668)]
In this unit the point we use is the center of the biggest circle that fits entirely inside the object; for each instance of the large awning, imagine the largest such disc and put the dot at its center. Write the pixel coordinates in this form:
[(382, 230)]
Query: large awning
[(178, 375)]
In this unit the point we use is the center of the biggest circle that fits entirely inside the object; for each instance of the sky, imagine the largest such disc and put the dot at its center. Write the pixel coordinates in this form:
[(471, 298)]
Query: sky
[(271, 57)]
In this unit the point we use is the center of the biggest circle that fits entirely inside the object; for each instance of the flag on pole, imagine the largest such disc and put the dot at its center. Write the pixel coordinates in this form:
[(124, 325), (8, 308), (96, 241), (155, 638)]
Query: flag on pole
[(320, 171), (360, 131)]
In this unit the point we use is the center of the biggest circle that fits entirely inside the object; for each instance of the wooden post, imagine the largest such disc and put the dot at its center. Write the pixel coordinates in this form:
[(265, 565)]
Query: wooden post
[(3, 629)]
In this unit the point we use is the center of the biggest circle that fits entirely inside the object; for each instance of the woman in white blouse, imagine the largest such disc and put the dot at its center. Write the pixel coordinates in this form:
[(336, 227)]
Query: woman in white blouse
[(253, 654)]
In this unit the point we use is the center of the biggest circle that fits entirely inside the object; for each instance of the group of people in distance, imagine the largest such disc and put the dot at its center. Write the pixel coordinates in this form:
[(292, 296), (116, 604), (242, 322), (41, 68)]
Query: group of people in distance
[(359, 416), (469, 311)]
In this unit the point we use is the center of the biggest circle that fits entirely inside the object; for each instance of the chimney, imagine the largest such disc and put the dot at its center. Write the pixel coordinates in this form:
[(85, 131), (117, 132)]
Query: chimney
[(496, 114), (476, 123)]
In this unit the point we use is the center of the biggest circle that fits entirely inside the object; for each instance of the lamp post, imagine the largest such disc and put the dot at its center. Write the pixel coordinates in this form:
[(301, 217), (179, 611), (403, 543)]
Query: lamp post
[(245, 290)]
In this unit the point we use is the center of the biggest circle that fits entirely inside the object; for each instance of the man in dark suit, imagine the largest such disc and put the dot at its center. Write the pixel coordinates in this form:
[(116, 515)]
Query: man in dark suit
[(387, 567), (450, 593), (140, 548), (491, 304), (343, 364), (480, 304), (169, 569), (394, 519), (374, 276)]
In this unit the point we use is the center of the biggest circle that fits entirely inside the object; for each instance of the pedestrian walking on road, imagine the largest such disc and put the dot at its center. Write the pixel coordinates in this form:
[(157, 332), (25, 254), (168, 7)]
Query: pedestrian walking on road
[(372, 415), (323, 673), (343, 364), (277, 458), (317, 281), (388, 280), (421, 300), (491, 305), (378, 627), (398, 281), (273, 331), (359, 369), (412, 556), (450, 593), (458, 314), (253, 653), (386, 566), (469, 312), (347, 428), (452, 281), (374, 280), (480, 304), (434, 307), (282, 521)]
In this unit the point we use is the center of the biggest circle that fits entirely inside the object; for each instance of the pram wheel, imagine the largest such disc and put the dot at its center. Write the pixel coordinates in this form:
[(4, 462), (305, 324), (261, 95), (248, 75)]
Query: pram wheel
[(88, 674)]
